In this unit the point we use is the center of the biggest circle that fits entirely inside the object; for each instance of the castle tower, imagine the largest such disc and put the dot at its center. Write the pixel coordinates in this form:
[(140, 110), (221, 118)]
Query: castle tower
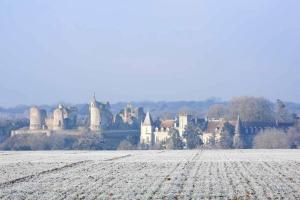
[(58, 118), (36, 118), (95, 117), (147, 134), (184, 121)]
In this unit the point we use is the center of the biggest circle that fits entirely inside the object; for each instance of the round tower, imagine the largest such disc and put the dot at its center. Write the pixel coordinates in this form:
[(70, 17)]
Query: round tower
[(95, 117), (35, 118), (58, 118)]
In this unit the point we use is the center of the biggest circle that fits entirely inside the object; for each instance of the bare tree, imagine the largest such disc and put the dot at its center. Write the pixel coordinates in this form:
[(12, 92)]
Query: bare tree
[(217, 111), (271, 139), (282, 113), (294, 136), (253, 109)]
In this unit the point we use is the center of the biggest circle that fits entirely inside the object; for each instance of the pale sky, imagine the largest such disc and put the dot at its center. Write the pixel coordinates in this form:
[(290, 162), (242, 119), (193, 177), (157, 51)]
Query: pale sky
[(64, 50)]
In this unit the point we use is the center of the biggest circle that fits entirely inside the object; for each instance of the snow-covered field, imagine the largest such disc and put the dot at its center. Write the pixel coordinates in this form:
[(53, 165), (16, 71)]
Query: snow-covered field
[(207, 174)]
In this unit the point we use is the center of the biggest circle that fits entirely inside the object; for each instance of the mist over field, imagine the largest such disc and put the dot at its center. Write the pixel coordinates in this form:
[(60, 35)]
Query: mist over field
[(160, 99)]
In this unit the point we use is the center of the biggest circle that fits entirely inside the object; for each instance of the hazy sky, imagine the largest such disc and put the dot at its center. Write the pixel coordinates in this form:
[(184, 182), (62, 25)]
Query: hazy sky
[(64, 50)]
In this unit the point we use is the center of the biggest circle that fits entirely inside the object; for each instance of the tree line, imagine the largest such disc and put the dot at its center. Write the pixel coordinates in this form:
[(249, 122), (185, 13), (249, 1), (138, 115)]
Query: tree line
[(250, 109)]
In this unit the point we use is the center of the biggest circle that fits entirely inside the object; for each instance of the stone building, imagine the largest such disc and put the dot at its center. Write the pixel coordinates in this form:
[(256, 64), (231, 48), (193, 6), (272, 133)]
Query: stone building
[(95, 115), (242, 132), (59, 118), (100, 115), (213, 130), (37, 118), (62, 118), (160, 132), (147, 134), (131, 116), (184, 120)]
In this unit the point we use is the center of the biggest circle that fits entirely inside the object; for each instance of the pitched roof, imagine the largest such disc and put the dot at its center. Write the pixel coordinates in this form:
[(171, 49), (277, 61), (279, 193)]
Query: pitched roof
[(148, 120), (169, 123), (213, 125)]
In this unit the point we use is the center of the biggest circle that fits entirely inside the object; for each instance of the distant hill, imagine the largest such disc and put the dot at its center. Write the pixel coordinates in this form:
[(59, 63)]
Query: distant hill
[(158, 109), (162, 109)]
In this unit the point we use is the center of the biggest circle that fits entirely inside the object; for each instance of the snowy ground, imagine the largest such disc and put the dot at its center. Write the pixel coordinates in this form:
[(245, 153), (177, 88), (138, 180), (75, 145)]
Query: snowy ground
[(220, 174)]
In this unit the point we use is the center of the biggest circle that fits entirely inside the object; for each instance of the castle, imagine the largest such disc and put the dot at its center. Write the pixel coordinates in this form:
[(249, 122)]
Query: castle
[(152, 133), (129, 117), (64, 119), (132, 122), (212, 129), (100, 115)]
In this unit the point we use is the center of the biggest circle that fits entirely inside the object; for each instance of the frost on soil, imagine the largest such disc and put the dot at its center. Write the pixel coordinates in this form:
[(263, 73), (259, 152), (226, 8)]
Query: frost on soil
[(211, 174)]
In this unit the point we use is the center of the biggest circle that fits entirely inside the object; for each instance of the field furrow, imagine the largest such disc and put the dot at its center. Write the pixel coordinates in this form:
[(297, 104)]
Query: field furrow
[(207, 174)]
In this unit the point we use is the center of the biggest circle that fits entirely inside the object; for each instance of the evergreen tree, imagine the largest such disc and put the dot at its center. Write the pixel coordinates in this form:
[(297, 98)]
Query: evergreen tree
[(192, 136), (175, 141)]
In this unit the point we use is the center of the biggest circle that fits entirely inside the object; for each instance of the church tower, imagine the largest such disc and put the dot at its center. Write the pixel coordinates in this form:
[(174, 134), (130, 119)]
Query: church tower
[(147, 134), (95, 118), (237, 141)]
